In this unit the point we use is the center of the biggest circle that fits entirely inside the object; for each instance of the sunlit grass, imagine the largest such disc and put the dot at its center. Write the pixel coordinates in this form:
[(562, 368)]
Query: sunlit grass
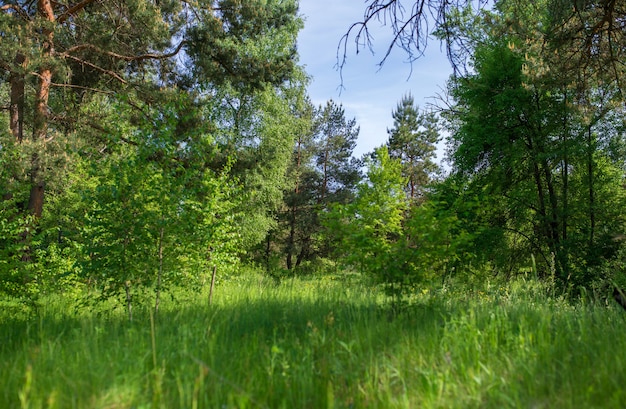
[(321, 343)]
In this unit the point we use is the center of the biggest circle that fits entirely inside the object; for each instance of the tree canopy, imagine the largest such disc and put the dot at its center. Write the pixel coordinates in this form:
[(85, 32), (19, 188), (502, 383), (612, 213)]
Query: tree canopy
[(149, 144)]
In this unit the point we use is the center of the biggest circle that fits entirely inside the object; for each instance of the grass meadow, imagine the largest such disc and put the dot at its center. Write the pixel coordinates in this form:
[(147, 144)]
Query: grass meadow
[(320, 343)]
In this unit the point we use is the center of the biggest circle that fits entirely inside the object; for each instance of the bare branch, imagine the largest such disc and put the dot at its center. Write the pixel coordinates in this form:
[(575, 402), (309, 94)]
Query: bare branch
[(411, 30), (192, 8)]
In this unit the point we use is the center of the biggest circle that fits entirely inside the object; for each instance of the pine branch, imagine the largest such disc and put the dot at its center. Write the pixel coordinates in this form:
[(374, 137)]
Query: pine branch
[(149, 56), (98, 68), (15, 8), (73, 10)]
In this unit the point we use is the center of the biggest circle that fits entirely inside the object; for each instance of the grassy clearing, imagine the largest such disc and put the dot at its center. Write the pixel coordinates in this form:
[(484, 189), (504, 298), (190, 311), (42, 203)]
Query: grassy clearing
[(321, 344)]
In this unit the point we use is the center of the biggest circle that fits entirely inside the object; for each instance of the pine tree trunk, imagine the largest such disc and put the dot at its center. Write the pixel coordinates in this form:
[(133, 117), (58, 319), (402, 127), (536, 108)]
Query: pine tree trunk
[(16, 104), (40, 122), (303, 252), (16, 107), (565, 172)]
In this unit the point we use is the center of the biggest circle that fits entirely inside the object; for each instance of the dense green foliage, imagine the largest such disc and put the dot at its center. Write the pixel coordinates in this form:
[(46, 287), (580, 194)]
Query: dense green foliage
[(137, 160), (535, 149)]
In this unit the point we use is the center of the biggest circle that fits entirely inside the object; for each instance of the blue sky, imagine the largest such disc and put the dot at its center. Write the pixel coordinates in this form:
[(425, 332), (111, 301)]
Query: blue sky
[(369, 93)]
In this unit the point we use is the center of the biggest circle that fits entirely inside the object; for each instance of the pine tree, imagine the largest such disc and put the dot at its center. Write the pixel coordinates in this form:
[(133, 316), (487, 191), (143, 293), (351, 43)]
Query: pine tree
[(413, 141), (323, 172)]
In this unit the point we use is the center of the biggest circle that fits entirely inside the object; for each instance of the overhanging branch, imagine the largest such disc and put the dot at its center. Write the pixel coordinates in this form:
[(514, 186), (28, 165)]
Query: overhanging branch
[(98, 68)]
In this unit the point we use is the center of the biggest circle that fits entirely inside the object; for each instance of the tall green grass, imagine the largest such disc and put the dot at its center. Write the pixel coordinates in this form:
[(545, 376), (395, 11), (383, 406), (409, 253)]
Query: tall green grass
[(321, 343)]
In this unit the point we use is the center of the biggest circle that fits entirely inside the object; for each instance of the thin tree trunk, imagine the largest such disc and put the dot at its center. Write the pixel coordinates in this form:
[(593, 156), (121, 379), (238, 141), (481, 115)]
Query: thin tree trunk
[(212, 284), (127, 283), (304, 251), (16, 104), (324, 187), (160, 273), (564, 214), (592, 205), (554, 223), (291, 243), (129, 300), (410, 172), (540, 193), (268, 248), (565, 173), (292, 238)]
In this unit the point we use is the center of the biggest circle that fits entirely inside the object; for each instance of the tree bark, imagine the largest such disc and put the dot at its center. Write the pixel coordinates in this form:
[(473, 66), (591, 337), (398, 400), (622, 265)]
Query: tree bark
[(16, 104), (213, 274), (292, 238), (592, 200), (554, 224), (40, 122), (539, 186), (268, 253), (304, 251), (565, 172)]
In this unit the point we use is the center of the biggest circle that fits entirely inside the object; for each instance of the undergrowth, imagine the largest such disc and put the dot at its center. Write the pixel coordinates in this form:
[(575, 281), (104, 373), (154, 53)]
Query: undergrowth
[(320, 342)]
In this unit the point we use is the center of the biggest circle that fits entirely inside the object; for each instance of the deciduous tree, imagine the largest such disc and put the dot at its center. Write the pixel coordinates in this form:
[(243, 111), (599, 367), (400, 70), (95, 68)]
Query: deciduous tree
[(521, 134)]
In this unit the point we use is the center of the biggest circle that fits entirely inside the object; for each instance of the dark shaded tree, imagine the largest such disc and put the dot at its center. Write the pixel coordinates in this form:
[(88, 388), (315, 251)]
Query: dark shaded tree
[(322, 172), (338, 170), (521, 137)]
